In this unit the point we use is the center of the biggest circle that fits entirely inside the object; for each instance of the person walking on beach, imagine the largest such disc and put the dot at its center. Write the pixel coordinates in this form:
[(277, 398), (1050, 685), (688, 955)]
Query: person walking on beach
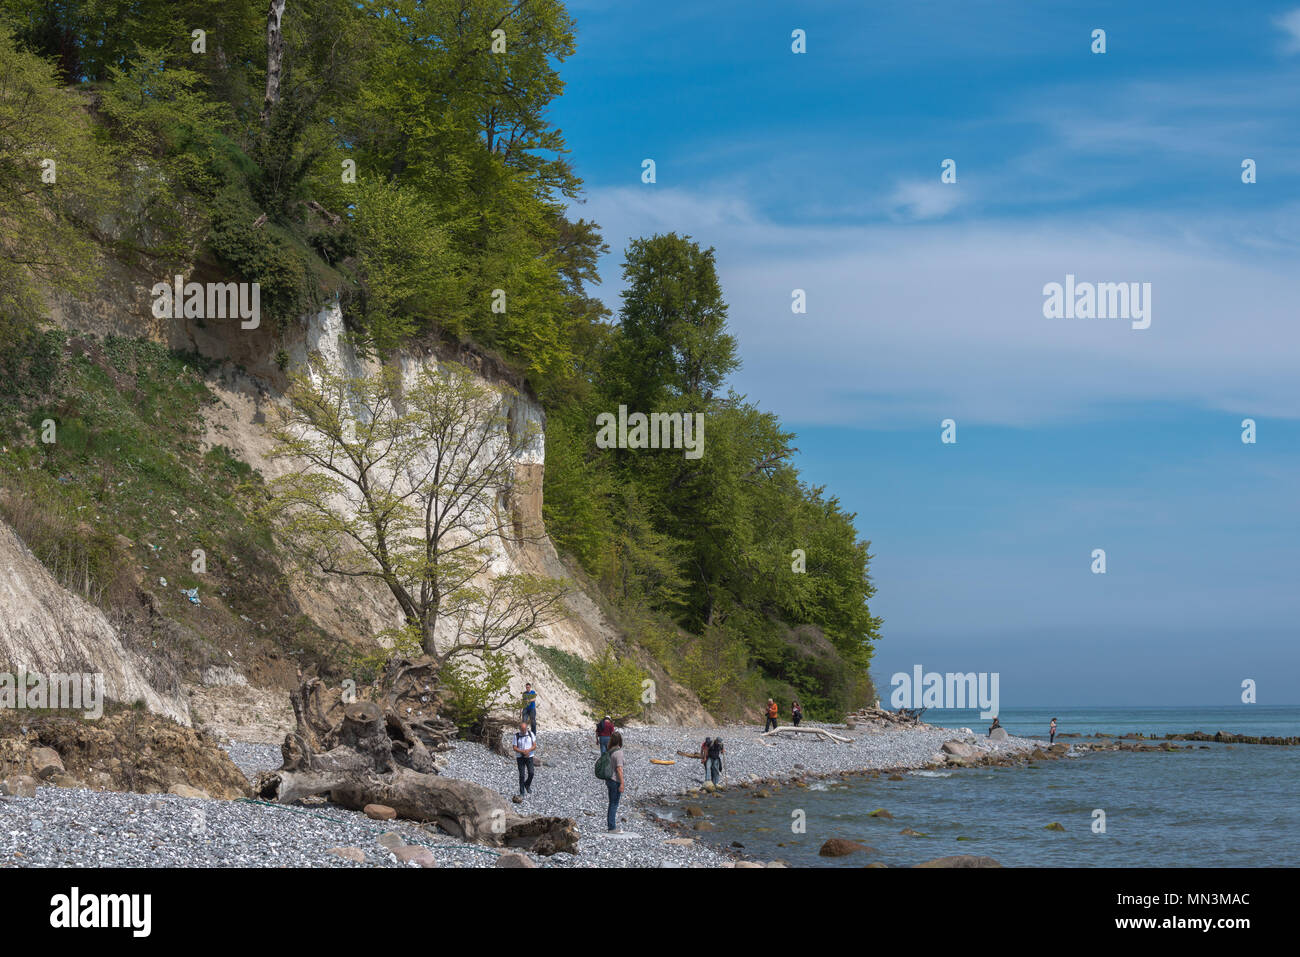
[(525, 742), (604, 730), (615, 782), (772, 710), (716, 751), (796, 713), (1051, 733), (704, 756), (530, 707)]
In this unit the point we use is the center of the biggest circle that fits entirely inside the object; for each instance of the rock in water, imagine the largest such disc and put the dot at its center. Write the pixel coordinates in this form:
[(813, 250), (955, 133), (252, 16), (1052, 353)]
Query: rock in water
[(960, 860), (842, 847)]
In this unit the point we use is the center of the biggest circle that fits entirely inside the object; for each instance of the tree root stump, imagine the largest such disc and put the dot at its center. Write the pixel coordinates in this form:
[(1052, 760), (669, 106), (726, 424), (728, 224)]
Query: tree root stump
[(362, 753)]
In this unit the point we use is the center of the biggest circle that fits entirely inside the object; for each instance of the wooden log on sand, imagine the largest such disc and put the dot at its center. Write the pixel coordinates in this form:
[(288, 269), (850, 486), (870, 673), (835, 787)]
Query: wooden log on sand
[(819, 732)]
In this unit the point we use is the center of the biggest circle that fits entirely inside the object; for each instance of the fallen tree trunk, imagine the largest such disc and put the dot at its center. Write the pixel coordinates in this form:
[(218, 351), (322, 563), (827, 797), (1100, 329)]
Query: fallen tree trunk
[(360, 753)]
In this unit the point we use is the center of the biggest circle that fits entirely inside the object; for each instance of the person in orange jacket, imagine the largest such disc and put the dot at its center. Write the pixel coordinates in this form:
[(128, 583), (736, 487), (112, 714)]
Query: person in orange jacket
[(771, 716)]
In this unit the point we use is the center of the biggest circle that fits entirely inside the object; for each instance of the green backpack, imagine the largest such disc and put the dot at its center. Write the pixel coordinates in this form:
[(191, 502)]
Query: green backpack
[(604, 766)]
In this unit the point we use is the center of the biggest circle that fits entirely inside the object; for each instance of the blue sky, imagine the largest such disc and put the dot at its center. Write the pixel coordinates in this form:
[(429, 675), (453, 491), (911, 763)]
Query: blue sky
[(821, 171)]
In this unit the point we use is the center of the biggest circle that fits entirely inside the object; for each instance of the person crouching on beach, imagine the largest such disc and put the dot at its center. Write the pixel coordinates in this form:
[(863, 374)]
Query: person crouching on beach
[(603, 731), (615, 782), (772, 712), (1051, 732), (525, 742), (994, 725)]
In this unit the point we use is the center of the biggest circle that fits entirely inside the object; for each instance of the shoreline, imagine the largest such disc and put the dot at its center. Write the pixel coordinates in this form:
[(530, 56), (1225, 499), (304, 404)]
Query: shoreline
[(74, 827)]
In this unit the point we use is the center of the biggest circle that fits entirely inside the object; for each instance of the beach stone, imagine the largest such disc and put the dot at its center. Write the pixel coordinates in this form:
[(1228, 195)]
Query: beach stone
[(749, 865), (390, 840), (842, 847), (354, 854), (680, 841), (960, 860), (694, 810), (414, 854), (62, 779), (877, 864), (960, 749), (776, 864), (185, 791), (514, 860), (19, 785), (704, 826), (998, 734), (379, 812), (46, 762)]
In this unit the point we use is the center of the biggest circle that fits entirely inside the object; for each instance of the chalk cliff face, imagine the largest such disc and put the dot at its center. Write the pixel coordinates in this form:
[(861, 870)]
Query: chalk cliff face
[(248, 384), (45, 629)]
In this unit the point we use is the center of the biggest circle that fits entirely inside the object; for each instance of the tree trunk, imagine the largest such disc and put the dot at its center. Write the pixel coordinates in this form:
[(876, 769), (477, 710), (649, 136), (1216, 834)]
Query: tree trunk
[(274, 57), (367, 752)]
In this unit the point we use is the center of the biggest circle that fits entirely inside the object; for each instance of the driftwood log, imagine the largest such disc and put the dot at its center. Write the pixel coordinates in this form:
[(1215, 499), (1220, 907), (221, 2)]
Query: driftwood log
[(368, 752)]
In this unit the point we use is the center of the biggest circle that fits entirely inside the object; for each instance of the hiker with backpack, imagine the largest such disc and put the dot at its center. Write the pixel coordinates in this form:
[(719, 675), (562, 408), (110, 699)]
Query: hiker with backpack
[(604, 729), (704, 756), (772, 711), (716, 751), (525, 743), (609, 768)]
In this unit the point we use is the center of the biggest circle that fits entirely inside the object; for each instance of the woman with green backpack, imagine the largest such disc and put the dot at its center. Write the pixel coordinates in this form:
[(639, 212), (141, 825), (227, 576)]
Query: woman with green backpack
[(609, 768)]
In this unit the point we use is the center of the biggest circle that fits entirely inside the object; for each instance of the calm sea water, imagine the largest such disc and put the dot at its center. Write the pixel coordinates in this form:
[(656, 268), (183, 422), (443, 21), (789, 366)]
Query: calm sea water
[(1222, 807)]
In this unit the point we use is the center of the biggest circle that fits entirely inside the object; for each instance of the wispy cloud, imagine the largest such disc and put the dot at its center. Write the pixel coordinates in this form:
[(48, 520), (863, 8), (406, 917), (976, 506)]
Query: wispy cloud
[(1289, 23)]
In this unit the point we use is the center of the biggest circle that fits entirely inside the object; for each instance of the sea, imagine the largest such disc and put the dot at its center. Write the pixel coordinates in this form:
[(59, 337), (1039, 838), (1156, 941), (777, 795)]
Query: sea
[(1221, 806)]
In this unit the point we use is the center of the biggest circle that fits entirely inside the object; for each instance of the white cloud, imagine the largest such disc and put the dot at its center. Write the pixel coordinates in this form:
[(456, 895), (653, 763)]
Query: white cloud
[(1290, 24), (929, 321), (920, 200)]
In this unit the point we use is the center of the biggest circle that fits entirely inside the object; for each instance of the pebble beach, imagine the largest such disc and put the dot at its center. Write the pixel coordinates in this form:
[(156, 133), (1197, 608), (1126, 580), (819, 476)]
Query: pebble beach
[(68, 827)]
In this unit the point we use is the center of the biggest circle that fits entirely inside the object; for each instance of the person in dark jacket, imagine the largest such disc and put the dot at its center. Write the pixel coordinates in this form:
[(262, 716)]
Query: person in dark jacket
[(604, 730)]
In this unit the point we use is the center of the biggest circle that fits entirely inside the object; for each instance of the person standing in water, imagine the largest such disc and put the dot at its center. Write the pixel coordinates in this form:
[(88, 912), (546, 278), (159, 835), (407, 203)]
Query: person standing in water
[(1051, 732)]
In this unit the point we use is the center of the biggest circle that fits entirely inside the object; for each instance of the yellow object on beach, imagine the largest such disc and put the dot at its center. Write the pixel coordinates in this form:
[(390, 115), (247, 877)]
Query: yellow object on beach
[(662, 761)]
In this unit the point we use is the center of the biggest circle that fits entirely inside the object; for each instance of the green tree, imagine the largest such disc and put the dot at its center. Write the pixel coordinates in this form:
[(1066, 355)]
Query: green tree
[(402, 488)]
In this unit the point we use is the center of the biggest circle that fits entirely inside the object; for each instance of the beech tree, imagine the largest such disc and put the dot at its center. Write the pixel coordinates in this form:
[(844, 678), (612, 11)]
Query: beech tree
[(403, 486)]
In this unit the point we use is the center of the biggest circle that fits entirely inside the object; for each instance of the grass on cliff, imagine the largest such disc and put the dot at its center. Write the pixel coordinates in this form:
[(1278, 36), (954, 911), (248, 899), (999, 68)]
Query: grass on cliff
[(125, 496)]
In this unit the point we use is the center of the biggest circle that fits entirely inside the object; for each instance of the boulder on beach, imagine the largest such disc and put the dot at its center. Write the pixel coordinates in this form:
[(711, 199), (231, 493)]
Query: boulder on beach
[(960, 749), (998, 734)]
